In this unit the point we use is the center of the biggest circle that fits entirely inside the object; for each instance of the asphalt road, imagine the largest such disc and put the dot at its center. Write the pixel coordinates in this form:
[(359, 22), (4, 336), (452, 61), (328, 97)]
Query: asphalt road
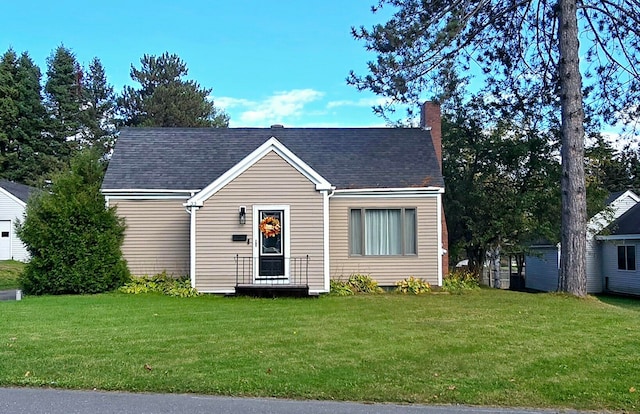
[(52, 401)]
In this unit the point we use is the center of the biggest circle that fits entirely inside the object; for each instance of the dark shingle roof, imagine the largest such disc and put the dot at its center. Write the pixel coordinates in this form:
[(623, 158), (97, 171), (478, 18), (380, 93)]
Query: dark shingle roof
[(192, 158), (20, 191), (612, 197), (628, 223)]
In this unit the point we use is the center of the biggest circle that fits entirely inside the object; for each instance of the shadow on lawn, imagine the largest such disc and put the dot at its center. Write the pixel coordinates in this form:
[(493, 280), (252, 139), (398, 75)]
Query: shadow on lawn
[(627, 302)]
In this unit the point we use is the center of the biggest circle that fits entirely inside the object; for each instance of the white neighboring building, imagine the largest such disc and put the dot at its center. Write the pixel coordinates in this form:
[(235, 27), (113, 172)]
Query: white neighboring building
[(13, 201), (542, 264)]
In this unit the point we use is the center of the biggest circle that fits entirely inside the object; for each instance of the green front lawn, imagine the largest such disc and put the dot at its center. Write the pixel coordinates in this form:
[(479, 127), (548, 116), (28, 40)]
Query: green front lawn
[(9, 272), (485, 348)]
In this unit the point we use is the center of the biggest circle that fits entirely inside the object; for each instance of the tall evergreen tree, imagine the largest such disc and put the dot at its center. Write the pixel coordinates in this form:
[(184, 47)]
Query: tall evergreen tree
[(605, 166), (25, 153), (631, 157), (166, 99), (9, 111), (64, 100), (37, 155), (99, 112)]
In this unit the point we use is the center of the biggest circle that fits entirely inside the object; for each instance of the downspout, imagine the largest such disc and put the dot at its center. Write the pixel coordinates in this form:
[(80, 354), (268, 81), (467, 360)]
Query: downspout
[(441, 250), (327, 196), (192, 208)]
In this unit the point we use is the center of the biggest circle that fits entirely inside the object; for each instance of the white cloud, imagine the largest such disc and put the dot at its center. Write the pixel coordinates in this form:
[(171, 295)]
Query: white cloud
[(619, 141), (279, 108), (360, 102), (227, 102)]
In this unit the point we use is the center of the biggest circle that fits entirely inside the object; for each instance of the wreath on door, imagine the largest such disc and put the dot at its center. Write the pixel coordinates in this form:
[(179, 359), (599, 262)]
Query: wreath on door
[(269, 226)]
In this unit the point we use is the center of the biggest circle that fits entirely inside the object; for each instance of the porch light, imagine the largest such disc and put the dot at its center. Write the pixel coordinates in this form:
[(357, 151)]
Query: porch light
[(242, 214)]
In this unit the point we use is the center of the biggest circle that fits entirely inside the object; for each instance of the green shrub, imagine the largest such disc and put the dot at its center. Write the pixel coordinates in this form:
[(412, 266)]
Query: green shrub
[(340, 288), (73, 240), (364, 284), (460, 281), (357, 283), (160, 283), (413, 286)]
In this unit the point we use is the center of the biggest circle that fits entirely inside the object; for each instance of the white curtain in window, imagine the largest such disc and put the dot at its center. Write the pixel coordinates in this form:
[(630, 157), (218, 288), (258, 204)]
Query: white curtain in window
[(409, 231), (356, 232), (383, 232)]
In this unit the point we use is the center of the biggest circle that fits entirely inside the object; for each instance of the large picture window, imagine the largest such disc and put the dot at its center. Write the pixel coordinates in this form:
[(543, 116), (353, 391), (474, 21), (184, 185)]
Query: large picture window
[(627, 257), (383, 232)]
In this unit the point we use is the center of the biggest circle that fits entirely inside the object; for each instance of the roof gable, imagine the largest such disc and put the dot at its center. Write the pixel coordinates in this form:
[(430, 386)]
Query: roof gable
[(628, 223), (272, 145), (622, 196), (616, 205), (346, 158), (19, 192)]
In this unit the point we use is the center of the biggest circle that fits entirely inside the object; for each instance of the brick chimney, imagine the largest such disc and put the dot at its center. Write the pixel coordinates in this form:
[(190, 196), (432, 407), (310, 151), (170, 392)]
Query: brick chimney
[(430, 117)]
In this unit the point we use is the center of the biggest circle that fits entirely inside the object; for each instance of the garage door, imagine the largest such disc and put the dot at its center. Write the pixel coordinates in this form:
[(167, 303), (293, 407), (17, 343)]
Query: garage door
[(5, 239)]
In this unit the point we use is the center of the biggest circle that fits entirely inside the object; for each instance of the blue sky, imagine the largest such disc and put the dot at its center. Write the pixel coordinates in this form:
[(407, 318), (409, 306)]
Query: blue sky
[(267, 61)]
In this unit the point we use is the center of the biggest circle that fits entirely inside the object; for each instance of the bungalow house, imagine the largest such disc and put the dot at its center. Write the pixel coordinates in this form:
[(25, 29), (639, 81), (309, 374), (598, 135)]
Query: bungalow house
[(13, 201), (605, 233), (237, 208)]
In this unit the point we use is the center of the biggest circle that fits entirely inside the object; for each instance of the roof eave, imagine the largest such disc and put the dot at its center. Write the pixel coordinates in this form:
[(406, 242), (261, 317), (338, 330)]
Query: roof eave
[(387, 191), (619, 237), (146, 190)]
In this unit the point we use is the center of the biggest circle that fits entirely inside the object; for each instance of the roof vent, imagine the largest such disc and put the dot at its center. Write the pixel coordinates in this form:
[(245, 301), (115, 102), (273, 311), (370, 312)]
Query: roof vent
[(277, 126)]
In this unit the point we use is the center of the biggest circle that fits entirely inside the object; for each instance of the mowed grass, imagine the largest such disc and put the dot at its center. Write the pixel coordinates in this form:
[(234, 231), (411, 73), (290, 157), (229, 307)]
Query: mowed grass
[(490, 347), (10, 270)]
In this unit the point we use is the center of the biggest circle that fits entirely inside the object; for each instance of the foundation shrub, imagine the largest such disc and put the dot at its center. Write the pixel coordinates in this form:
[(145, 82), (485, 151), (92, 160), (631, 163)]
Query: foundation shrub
[(160, 283), (356, 284), (413, 286)]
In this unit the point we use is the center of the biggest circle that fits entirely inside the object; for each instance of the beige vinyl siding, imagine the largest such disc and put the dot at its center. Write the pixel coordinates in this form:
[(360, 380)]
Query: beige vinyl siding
[(386, 270), (271, 180), (157, 236)]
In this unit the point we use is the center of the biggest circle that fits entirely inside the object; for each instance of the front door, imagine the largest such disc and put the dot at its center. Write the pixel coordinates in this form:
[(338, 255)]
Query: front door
[(272, 245)]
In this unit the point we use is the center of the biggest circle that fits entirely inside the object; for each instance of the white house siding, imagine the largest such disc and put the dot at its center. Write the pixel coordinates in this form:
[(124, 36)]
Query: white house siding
[(594, 275), (620, 281), (542, 269), (598, 222), (11, 211), (386, 270), (271, 180), (157, 236), (617, 208), (622, 205)]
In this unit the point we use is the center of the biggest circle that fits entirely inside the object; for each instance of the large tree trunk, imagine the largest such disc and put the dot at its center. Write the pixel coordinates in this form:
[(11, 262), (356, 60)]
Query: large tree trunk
[(573, 277)]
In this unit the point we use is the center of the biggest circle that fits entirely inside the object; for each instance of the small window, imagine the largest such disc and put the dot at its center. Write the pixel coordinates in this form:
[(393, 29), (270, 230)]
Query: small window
[(5, 234), (382, 232), (627, 257)]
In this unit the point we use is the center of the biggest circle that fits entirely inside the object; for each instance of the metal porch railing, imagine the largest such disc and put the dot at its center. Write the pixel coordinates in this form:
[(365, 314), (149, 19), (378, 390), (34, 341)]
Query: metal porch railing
[(298, 272)]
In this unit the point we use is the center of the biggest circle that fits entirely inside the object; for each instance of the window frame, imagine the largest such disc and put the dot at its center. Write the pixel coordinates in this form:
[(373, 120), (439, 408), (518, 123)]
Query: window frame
[(623, 253), (362, 237)]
